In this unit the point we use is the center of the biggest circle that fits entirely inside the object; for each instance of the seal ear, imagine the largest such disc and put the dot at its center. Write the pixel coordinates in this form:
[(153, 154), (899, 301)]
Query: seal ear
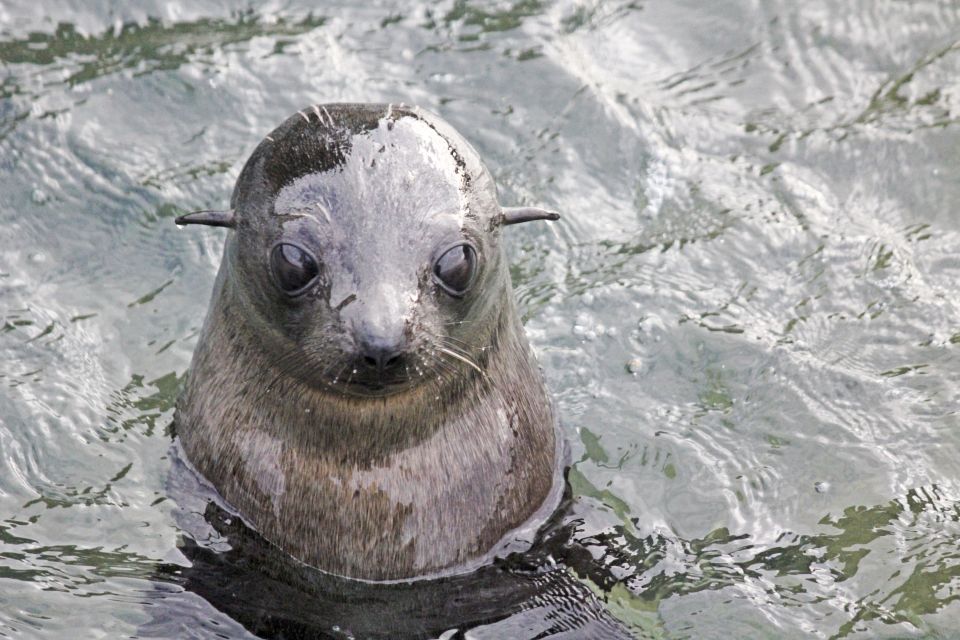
[(516, 215), (209, 218)]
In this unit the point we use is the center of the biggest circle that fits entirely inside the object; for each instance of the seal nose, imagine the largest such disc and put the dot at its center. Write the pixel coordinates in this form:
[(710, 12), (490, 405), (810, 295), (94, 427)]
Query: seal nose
[(380, 354), (378, 321)]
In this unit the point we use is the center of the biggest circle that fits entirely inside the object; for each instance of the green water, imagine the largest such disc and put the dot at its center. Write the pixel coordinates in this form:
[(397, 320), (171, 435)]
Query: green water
[(748, 314)]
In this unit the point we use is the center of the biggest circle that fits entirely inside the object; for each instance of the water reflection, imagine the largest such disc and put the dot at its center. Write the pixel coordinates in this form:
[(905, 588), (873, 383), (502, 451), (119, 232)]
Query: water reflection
[(141, 48), (528, 595), (135, 407), (748, 313)]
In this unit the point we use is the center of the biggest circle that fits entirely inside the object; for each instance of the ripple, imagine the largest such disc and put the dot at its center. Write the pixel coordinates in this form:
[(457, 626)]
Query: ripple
[(747, 313)]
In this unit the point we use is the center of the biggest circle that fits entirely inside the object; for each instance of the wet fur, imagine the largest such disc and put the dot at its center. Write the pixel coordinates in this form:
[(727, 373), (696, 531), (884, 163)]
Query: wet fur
[(407, 484)]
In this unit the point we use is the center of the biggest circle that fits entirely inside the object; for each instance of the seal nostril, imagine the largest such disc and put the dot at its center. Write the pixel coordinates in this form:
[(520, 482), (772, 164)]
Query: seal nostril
[(380, 359)]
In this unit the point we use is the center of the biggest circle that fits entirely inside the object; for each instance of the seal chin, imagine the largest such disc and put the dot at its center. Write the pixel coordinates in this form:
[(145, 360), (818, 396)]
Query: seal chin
[(373, 389), (370, 390), (360, 381)]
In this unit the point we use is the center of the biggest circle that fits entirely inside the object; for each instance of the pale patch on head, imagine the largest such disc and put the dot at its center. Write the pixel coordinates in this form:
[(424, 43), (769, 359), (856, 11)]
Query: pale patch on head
[(383, 212), (402, 168)]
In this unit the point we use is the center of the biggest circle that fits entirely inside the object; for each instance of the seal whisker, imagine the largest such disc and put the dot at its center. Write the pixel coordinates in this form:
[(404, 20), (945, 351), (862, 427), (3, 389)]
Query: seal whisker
[(464, 359), (275, 364), (288, 366), (453, 340), (466, 352), (280, 375), (343, 366), (445, 367), (293, 364), (464, 346), (447, 345), (346, 375), (353, 371), (445, 370)]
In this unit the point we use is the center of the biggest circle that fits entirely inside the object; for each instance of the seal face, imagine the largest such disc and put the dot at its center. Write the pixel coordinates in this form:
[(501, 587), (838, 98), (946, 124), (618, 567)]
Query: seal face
[(362, 391)]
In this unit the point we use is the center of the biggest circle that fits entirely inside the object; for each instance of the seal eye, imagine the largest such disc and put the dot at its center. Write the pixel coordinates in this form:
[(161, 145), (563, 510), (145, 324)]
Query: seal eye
[(456, 268), (293, 267)]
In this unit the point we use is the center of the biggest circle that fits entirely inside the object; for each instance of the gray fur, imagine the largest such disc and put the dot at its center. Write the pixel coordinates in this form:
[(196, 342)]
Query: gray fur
[(422, 472)]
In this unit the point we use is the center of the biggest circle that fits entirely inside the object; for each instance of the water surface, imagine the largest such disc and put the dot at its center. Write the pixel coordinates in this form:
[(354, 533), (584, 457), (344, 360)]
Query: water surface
[(748, 314)]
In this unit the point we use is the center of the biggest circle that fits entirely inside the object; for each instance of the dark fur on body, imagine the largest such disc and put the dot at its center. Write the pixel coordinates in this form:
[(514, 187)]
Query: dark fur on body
[(369, 475)]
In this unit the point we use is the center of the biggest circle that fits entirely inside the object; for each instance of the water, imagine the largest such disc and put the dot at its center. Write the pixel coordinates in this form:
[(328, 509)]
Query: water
[(748, 314)]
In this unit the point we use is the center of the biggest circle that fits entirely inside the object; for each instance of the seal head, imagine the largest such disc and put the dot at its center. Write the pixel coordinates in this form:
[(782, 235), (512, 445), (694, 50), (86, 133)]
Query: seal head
[(362, 392)]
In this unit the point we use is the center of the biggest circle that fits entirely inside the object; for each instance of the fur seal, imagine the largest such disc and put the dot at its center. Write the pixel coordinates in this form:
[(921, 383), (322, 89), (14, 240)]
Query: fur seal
[(362, 392)]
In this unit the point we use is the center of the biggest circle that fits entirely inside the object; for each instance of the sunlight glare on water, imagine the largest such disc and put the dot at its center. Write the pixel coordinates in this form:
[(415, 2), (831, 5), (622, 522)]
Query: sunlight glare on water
[(747, 315)]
